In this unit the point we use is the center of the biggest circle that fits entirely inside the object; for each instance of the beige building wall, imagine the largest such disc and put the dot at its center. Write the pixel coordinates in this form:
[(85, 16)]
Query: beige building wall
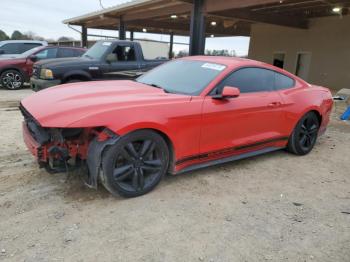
[(152, 50), (327, 41)]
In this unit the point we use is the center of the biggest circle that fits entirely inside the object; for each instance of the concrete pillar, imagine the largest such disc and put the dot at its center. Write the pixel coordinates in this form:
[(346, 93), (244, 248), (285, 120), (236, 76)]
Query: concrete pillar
[(171, 47), (197, 37), (84, 42), (122, 29)]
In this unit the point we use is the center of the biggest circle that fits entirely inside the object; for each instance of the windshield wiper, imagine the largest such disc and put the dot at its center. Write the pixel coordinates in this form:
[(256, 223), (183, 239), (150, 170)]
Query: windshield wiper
[(158, 86)]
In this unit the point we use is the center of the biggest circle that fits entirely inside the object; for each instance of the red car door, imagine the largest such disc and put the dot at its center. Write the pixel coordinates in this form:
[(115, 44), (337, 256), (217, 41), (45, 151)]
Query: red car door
[(246, 123)]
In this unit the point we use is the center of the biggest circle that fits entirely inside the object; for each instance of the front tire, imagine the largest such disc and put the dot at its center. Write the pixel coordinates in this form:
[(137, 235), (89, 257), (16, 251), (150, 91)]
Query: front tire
[(11, 79), (135, 164), (71, 81), (304, 136)]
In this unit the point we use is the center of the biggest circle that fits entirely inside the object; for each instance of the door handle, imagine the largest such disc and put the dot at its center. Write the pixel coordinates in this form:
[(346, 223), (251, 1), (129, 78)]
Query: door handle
[(274, 104)]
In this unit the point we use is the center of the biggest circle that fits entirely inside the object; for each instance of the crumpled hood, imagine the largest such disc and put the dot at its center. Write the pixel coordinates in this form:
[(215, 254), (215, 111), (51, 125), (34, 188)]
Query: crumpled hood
[(65, 105)]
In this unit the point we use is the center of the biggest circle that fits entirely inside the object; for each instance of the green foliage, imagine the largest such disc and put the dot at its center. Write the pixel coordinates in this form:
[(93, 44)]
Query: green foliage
[(17, 35), (65, 39), (3, 36), (220, 52)]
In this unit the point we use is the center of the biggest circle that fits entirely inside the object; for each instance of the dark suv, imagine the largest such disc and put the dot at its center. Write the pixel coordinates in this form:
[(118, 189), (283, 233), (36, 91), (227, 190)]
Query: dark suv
[(15, 71)]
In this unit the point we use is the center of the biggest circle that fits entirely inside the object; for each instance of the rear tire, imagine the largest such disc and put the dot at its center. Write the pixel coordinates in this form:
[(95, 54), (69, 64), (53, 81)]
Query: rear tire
[(12, 79), (135, 164), (304, 136)]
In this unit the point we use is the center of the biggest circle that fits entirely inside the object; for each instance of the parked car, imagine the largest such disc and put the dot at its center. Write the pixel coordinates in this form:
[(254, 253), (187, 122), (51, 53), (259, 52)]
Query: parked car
[(15, 71), (186, 114), (13, 48), (104, 60)]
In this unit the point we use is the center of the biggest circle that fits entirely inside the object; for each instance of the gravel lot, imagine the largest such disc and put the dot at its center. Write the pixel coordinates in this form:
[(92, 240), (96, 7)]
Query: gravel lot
[(276, 207)]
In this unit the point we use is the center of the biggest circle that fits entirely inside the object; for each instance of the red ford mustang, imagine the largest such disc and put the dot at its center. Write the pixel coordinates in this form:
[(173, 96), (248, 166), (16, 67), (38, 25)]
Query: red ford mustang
[(186, 114)]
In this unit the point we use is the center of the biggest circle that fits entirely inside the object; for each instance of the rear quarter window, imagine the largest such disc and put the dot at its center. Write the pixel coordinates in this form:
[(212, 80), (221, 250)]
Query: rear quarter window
[(283, 81)]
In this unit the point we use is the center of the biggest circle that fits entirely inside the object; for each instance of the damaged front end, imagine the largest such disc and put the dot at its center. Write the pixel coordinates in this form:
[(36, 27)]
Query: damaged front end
[(65, 149)]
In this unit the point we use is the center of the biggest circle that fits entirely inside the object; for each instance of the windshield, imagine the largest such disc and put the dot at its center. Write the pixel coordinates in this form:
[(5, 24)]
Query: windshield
[(98, 50), (182, 76)]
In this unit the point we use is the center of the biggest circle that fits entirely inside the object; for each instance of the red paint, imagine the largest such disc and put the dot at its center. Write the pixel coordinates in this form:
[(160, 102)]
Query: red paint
[(194, 125)]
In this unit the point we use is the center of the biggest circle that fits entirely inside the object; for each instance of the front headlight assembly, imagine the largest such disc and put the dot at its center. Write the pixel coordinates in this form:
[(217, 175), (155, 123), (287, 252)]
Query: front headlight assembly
[(46, 74)]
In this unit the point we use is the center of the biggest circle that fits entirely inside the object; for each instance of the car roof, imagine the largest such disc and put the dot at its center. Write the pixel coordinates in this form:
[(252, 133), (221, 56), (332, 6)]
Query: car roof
[(23, 41), (59, 47), (116, 41), (228, 61), (236, 62), (69, 47)]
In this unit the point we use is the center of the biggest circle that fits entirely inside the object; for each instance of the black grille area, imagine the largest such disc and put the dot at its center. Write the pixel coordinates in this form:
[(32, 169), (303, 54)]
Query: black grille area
[(36, 71), (40, 134)]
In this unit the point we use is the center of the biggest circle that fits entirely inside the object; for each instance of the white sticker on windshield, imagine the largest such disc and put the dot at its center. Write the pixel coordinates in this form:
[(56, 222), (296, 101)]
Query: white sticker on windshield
[(107, 43), (213, 66)]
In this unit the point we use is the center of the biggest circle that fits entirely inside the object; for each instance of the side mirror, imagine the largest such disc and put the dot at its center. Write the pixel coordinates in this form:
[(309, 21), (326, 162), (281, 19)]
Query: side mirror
[(2, 52), (111, 58), (33, 58), (228, 92)]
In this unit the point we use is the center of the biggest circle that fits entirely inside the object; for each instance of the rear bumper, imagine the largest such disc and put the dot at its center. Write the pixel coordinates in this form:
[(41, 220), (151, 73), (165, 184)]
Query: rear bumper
[(40, 84)]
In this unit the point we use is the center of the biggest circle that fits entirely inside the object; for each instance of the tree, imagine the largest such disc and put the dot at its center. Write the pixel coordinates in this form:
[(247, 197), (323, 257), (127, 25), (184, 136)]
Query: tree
[(182, 53), (65, 39), (222, 52), (32, 36), (17, 35), (3, 36)]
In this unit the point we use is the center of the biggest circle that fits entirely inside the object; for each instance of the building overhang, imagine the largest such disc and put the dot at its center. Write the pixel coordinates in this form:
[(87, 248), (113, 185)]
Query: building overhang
[(223, 18)]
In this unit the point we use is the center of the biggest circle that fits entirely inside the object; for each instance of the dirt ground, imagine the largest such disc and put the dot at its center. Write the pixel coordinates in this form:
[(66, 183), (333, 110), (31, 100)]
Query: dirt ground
[(275, 207)]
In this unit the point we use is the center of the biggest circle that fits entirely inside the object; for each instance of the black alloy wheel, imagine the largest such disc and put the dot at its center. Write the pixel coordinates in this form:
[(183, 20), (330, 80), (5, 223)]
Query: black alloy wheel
[(136, 164), (11, 79), (304, 135)]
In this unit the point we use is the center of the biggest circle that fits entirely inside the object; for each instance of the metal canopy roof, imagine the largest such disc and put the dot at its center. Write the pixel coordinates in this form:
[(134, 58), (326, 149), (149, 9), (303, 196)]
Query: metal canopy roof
[(223, 17)]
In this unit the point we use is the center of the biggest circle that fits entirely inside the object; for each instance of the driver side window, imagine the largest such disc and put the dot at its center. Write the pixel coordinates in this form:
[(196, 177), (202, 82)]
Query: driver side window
[(248, 80), (124, 53)]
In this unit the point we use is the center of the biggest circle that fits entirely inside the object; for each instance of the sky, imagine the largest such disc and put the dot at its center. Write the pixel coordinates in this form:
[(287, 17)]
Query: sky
[(44, 18)]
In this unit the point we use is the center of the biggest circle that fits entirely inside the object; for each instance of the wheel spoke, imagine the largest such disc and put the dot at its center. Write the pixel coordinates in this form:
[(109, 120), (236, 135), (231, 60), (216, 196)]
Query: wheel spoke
[(308, 141), (141, 178), (303, 140), (135, 180), (309, 123), (123, 172), (313, 129), (132, 151), (153, 163), (303, 131), (126, 155), (146, 146), (150, 168)]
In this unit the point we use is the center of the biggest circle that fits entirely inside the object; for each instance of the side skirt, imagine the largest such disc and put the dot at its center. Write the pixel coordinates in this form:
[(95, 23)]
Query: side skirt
[(228, 159)]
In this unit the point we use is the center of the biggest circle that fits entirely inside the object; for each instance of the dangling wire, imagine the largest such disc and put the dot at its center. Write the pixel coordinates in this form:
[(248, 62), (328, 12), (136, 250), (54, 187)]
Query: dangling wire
[(101, 4)]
